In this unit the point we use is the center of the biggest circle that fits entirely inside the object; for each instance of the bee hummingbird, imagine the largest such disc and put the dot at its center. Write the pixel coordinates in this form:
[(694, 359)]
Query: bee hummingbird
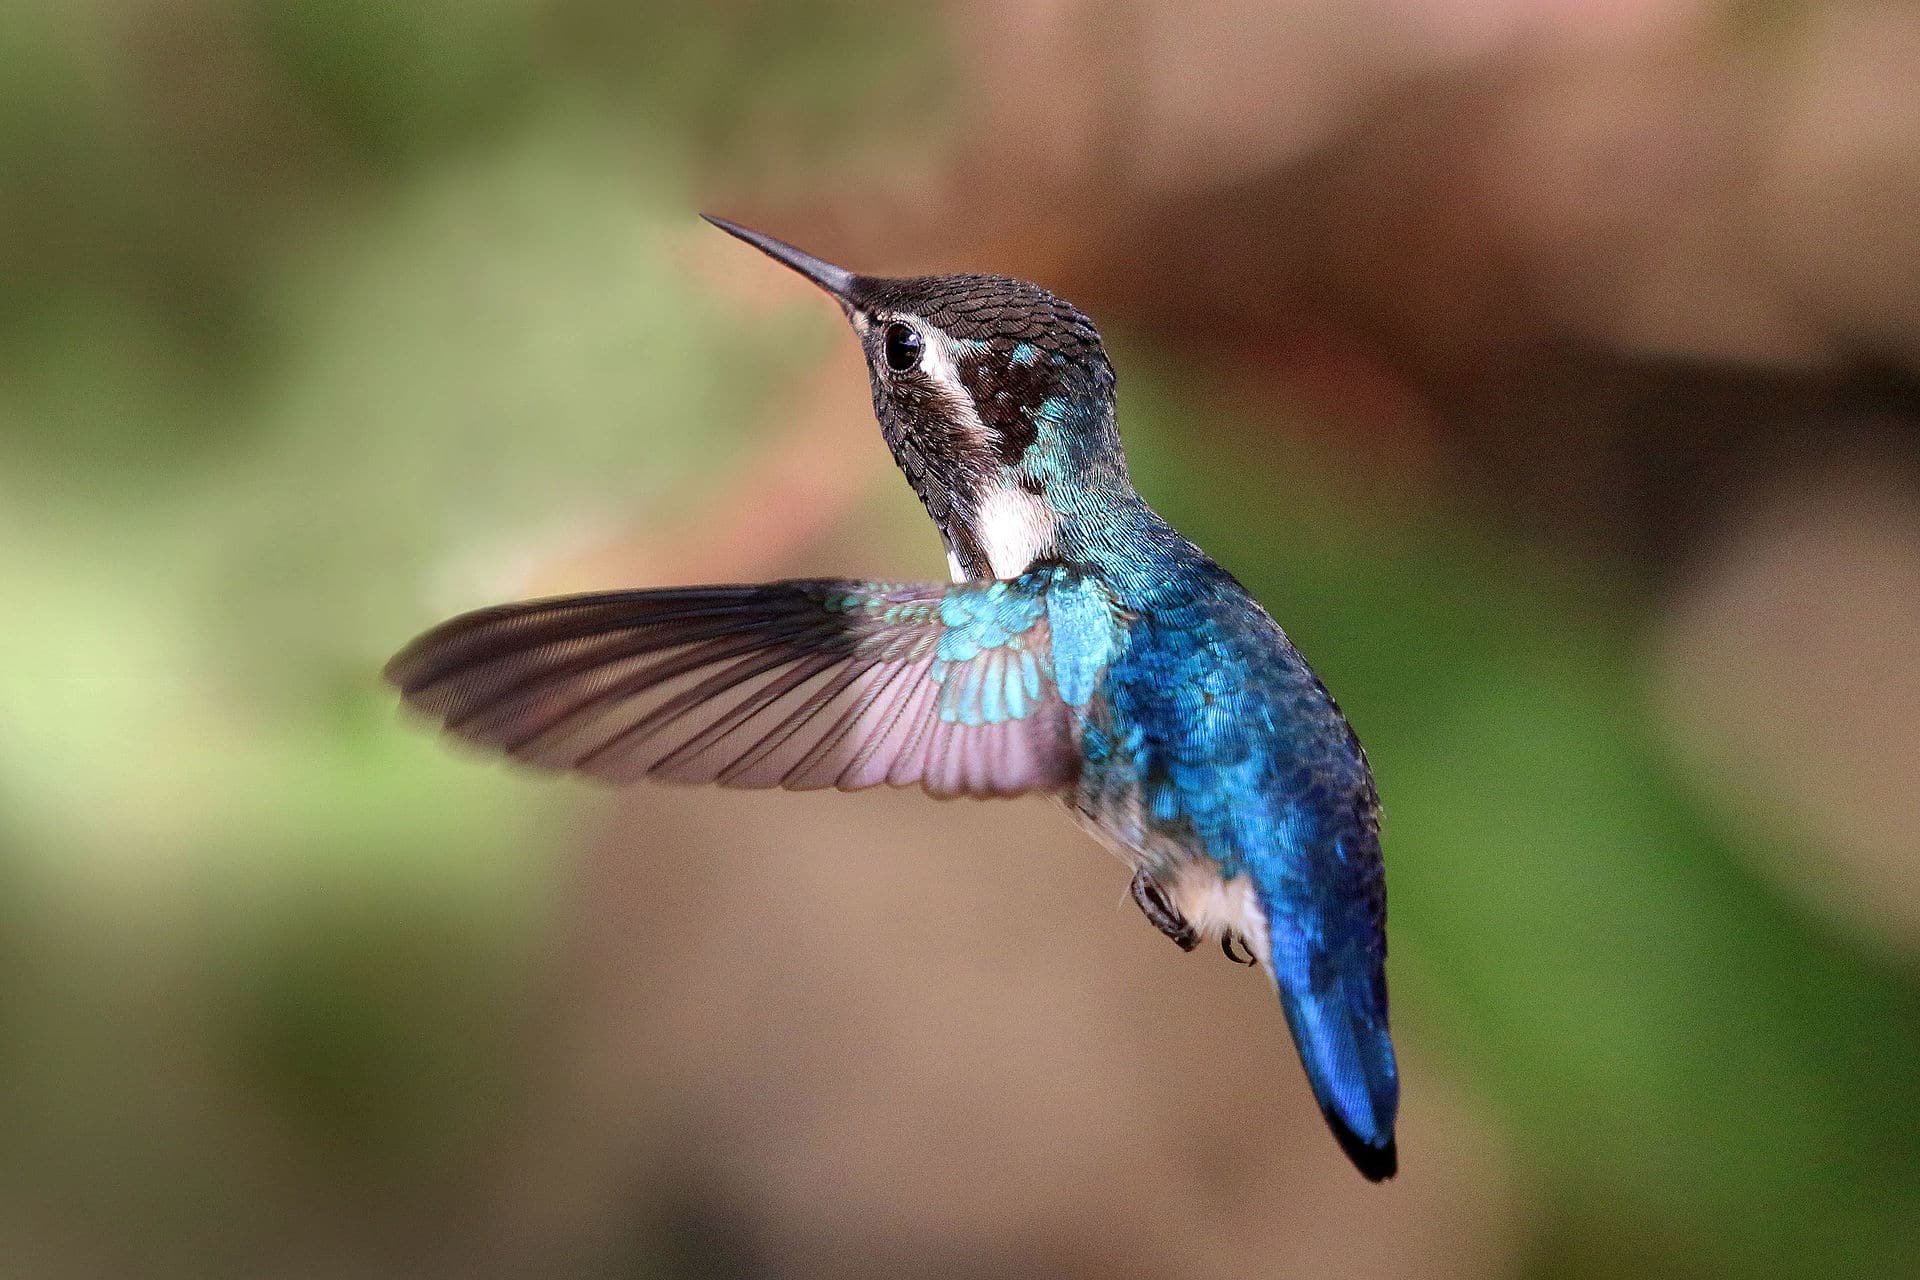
[(1083, 648)]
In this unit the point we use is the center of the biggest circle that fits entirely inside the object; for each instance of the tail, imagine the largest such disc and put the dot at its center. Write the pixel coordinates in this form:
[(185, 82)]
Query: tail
[(1327, 944), (1326, 909), (1339, 1025)]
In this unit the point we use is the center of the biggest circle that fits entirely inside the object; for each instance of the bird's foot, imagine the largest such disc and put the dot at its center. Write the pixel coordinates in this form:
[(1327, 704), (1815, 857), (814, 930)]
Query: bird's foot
[(1159, 909)]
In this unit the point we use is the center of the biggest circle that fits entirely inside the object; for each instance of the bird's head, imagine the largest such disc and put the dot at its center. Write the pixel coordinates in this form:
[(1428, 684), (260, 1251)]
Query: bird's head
[(995, 397)]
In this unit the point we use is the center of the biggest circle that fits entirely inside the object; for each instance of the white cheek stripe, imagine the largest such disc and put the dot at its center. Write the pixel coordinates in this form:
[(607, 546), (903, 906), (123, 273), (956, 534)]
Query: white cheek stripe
[(937, 363), (1014, 527), (934, 360)]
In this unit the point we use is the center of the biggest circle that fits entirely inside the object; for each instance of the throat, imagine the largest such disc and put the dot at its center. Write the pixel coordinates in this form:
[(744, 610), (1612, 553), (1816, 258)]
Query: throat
[(1007, 530)]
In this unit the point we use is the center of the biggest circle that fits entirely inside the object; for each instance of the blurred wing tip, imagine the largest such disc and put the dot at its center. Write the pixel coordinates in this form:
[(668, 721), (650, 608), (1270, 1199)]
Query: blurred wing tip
[(400, 668), (413, 669)]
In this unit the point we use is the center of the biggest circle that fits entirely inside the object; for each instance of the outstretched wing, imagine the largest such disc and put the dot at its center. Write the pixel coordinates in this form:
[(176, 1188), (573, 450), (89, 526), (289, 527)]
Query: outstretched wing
[(802, 684)]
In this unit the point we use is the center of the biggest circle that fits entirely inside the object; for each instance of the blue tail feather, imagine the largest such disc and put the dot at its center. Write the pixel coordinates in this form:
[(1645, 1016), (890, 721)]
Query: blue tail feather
[(1341, 1031)]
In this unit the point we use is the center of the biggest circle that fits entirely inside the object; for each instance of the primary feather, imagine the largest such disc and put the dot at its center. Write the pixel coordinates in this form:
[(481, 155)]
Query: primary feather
[(804, 684)]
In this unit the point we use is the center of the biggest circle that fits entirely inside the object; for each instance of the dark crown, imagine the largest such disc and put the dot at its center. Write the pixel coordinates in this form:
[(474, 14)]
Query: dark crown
[(996, 310)]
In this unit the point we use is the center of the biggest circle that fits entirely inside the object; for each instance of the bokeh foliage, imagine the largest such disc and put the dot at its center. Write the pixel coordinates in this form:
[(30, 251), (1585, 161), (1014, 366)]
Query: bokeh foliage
[(306, 301), (1703, 1080)]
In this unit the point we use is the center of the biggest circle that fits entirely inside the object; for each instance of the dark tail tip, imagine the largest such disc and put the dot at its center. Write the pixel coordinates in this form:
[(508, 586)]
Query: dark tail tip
[(1376, 1164)]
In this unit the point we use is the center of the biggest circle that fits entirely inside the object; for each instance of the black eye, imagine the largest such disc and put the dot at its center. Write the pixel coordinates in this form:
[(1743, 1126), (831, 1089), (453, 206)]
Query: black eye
[(903, 347)]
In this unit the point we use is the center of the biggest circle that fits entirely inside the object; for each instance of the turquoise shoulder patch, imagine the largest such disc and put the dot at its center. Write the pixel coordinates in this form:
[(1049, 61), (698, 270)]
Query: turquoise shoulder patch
[(988, 661), (1086, 636)]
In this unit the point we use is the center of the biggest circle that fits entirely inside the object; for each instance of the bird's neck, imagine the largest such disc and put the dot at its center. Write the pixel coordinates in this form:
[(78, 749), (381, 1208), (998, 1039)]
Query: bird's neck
[(1068, 497)]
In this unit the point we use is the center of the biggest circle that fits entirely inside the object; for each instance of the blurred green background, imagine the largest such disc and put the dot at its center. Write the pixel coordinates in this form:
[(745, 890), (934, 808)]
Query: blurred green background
[(1548, 369)]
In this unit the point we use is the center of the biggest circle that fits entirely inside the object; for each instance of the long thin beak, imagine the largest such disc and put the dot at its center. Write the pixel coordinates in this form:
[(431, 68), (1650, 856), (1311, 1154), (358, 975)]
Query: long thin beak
[(837, 281)]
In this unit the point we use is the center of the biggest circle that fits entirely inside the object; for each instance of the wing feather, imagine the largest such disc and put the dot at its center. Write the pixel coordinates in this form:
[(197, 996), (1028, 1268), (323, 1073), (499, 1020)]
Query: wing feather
[(801, 684)]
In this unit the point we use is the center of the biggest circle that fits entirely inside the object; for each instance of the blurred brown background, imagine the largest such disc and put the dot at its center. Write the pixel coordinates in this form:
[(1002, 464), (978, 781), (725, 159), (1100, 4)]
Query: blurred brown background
[(1550, 369)]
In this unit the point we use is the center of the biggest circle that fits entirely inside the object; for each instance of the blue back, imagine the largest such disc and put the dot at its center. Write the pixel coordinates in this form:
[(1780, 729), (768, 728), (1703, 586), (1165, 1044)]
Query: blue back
[(1211, 737)]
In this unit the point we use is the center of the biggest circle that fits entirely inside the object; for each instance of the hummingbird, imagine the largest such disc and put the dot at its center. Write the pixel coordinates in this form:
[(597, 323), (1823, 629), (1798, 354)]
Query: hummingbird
[(1083, 648)]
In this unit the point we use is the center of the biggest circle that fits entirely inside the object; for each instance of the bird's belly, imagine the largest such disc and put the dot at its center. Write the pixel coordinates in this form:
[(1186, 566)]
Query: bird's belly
[(1126, 838), (1211, 903), (1216, 906)]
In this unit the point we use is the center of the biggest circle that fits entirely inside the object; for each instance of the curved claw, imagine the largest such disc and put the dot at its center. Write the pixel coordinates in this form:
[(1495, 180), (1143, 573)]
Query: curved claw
[(1160, 911), (1226, 945)]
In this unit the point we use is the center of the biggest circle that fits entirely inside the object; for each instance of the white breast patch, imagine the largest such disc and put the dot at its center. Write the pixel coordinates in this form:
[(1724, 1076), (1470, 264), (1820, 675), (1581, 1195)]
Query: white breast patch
[(1015, 528)]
